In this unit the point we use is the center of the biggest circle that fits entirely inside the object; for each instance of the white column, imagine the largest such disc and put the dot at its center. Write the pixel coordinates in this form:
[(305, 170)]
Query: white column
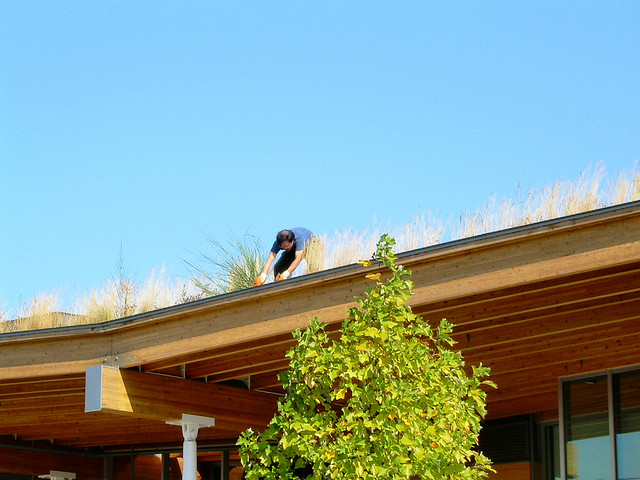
[(191, 424), (58, 475)]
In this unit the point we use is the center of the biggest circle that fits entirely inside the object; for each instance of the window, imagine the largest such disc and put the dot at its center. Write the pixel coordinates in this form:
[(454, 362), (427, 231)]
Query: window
[(551, 452), (626, 398), (601, 427), (587, 442)]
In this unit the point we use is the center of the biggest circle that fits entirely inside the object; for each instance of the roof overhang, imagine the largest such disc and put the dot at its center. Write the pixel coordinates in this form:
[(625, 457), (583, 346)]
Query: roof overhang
[(531, 302)]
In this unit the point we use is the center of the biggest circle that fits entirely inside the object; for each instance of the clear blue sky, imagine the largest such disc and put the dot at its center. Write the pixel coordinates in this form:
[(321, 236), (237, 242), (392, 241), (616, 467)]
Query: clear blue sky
[(145, 125)]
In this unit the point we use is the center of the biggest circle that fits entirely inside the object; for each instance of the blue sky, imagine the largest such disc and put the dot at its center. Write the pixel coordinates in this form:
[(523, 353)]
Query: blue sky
[(143, 126)]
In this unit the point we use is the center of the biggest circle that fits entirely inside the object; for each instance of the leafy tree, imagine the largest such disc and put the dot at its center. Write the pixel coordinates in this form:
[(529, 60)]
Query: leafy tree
[(387, 399)]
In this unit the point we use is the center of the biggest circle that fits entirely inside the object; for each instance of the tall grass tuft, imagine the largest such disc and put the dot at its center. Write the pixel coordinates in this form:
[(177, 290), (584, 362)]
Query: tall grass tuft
[(101, 305), (344, 247), (523, 208), (124, 297), (315, 255), (43, 311), (233, 266), (626, 188), (159, 291)]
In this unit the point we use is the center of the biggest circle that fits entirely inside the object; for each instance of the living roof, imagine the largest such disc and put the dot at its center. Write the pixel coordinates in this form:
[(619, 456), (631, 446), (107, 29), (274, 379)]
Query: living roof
[(535, 303)]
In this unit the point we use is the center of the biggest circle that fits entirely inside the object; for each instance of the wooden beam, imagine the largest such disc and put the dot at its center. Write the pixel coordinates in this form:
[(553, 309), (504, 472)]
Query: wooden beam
[(29, 358), (157, 397), (35, 463)]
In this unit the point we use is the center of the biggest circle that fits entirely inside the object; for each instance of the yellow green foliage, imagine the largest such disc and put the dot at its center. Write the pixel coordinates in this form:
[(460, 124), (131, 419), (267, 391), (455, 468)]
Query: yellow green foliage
[(387, 399)]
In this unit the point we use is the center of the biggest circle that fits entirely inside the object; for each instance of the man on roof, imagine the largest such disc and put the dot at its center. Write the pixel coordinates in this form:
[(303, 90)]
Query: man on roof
[(295, 242)]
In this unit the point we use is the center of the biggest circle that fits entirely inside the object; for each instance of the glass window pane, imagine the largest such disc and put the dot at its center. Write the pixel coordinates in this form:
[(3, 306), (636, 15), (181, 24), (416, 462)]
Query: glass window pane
[(627, 420), (588, 448), (552, 452)]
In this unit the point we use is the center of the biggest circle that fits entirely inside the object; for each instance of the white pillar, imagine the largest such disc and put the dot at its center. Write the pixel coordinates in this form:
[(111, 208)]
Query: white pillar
[(58, 475), (191, 424)]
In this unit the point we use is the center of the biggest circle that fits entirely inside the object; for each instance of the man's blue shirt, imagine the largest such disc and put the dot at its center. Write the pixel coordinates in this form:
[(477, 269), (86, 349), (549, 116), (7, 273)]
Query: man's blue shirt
[(303, 236)]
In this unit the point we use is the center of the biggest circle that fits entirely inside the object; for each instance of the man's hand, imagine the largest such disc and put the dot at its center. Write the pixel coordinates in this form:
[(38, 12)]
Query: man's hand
[(260, 280), (283, 276)]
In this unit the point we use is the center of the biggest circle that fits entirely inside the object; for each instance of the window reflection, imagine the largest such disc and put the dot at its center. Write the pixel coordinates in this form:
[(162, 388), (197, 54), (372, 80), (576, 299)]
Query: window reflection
[(627, 422), (587, 429)]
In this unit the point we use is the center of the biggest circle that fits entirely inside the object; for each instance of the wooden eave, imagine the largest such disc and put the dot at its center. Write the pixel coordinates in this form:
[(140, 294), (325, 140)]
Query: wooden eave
[(534, 303)]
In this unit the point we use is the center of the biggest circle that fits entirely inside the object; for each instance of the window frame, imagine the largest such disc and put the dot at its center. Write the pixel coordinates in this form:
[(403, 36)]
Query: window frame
[(562, 381)]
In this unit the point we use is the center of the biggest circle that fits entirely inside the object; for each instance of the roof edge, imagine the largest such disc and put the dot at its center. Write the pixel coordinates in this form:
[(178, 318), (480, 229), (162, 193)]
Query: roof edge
[(513, 234)]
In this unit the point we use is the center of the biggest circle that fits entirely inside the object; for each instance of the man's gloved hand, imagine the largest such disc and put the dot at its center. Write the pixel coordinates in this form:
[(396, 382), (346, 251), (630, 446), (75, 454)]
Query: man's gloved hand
[(260, 280), (283, 276)]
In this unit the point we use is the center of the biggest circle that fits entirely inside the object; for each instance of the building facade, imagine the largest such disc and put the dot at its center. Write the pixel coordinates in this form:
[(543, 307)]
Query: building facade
[(553, 308)]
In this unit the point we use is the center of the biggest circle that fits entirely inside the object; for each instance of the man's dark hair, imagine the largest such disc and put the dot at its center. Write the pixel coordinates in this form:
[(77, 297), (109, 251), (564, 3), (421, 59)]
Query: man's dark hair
[(285, 236)]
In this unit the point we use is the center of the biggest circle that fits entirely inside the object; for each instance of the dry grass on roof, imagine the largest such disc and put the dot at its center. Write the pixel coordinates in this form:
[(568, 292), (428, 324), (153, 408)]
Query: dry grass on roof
[(124, 297), (589, 192)]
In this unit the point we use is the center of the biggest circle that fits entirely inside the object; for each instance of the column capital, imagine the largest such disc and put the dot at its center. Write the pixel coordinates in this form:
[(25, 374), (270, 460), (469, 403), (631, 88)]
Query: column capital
[(191, 424)]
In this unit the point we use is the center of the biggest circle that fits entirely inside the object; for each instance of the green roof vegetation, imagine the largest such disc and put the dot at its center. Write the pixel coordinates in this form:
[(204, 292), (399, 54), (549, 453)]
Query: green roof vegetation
[(232, 266)]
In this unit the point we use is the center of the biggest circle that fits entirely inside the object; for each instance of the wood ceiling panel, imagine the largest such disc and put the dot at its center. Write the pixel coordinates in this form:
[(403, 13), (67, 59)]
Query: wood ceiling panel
[(540, 335), (544, 404), (40, 386), (248, 359), (249, 371), (94, 429), (15, 421), (149, 437), (531, 299), (626, 274), (216, 354), (106, 427), (536, 328), (10, 416), (267, 381), (598, 357), (568, 317)]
